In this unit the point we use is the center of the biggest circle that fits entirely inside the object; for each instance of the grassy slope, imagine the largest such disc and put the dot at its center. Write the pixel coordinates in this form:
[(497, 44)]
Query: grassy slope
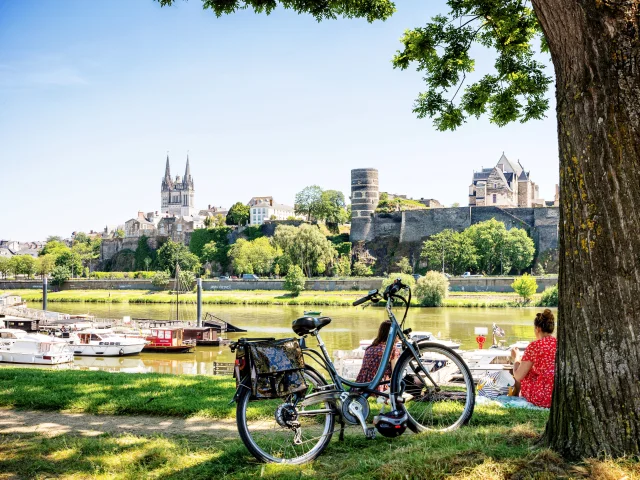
[(499, 443), (257, 297)]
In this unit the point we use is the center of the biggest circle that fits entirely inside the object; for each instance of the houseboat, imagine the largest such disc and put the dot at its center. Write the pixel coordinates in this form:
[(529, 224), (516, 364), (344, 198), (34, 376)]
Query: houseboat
[(17, 346), (168, 340), (103, 343), (202, 336)]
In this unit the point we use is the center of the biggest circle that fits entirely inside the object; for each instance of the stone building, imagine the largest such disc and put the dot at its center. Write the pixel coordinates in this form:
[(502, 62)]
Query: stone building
[(505, 185), (178, 195)]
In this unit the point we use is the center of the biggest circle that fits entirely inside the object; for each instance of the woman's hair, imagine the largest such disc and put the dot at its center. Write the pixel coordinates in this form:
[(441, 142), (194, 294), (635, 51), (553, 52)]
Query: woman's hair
[(383, 333), (545, 321)]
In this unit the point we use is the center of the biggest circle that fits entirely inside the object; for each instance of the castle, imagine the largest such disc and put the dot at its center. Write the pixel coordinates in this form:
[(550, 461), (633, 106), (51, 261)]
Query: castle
[(178, 196), (505, 185)]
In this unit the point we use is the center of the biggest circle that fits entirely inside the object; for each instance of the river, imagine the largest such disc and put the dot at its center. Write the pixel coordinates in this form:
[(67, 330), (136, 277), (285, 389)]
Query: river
[(349, 326)]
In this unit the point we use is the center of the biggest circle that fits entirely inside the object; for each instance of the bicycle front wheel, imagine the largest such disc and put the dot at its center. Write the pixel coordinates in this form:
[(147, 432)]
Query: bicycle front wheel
[(441, 407), (277, 431)]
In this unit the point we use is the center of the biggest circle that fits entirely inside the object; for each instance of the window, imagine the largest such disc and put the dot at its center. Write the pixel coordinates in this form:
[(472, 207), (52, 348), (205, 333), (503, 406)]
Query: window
[(495, 185), (494, 198)]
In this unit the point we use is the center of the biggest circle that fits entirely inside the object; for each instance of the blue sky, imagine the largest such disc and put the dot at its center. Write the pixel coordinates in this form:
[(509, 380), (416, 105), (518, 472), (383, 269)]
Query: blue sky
[(93, 95)]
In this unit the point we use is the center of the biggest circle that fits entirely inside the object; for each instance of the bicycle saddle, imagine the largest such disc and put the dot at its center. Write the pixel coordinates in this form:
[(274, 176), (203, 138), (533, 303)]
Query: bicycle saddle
[(306, 325)]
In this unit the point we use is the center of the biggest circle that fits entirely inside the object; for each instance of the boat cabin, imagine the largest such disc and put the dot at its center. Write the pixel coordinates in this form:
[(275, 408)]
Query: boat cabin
[(201, 335), (19, 323), (166, 337), (84, 338)]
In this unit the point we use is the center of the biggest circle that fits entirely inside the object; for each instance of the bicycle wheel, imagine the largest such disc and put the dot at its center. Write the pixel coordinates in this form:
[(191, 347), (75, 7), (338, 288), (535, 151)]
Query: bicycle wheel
[(444, 408), (265, 427)]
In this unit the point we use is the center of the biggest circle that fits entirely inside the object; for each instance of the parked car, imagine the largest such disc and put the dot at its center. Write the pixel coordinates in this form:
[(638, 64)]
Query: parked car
[(469, 274), (416, 276), (233, 277), (250, 276), (224, 278)]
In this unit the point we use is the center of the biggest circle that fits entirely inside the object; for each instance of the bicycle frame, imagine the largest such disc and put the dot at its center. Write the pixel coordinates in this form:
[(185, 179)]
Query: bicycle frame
[(369, 388)]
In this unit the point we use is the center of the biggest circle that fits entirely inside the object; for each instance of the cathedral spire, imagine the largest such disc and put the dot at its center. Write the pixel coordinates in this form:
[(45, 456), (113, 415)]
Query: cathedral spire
[(167, 170), (187, 172)]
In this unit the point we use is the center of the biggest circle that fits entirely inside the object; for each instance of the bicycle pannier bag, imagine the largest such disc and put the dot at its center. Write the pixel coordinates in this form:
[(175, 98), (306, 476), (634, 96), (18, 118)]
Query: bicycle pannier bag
[(274, 367)]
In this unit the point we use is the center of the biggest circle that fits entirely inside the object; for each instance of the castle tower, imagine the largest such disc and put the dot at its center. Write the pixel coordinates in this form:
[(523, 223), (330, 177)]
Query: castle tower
[(364, 201), (177, 195)]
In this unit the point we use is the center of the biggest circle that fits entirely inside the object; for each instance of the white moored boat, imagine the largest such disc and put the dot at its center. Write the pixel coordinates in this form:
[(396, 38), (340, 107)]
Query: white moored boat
[(18, 346), (101, 343)]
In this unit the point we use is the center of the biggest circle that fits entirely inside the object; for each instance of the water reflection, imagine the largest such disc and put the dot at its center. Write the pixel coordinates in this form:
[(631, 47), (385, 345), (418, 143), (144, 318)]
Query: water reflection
[(349, 326)]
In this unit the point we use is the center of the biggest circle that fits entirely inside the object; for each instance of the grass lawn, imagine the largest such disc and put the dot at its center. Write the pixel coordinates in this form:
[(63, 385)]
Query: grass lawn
[(498, 444), (262, 297)]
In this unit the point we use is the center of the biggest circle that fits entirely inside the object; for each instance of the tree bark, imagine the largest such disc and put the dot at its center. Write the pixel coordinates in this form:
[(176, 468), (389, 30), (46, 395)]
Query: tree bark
[(595, 49)]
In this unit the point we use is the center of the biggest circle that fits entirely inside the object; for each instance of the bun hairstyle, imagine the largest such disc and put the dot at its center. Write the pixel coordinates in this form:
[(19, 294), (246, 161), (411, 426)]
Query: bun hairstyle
[(545, 321)]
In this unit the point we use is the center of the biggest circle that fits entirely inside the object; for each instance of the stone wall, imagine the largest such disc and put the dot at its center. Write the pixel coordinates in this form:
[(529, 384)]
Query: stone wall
[(414, 226), (474, 284)]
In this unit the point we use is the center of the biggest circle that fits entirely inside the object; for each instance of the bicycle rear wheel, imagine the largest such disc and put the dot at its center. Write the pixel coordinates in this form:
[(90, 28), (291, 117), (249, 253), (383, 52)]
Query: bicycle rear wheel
[(444, 408), (265, 425)]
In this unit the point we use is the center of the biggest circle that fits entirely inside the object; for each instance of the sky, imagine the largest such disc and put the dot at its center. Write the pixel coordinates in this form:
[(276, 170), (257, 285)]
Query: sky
[(94, 94)]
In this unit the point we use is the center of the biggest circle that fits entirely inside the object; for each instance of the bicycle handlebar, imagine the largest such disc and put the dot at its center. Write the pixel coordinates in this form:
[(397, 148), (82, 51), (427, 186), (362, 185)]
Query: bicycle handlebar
[(366, 298)]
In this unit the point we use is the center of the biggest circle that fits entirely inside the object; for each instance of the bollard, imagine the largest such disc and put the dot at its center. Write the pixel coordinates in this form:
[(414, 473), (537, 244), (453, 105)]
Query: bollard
[(199, 295), (44, 294)]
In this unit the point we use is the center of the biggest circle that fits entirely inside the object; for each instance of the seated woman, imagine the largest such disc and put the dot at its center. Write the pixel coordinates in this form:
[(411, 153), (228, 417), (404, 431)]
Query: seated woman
[(534, 374), (373, 357)]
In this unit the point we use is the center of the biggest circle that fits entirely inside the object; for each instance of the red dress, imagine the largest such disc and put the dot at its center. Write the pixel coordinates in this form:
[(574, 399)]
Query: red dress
[(371, 361), (537, 386)]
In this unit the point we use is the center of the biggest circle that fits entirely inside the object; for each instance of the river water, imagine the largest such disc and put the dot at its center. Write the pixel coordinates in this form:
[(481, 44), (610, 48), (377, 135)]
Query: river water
[(349, 326)]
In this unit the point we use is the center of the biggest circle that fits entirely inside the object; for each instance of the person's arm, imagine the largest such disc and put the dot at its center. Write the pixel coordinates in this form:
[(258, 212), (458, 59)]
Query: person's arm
[(522, 370)]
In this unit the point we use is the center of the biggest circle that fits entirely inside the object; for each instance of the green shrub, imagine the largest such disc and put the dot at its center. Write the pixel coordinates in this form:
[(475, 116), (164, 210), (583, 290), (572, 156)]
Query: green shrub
[(432, 289), (525, 286), (160, 279), (404, 266), (60, 274), (361, 269), (549, 297), (404, 277), (294, 281)]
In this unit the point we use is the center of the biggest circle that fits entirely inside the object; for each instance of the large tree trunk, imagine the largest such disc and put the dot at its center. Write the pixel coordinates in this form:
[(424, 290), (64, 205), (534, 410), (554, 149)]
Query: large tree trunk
[(596, 53)]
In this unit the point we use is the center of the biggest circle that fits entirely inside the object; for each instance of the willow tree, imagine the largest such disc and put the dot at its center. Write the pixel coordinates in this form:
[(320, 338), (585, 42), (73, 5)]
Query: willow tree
[(595, 51)]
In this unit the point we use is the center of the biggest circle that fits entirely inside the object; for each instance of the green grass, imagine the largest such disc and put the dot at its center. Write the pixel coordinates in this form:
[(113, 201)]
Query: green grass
[(263, 297), (238, 297), (499, 445), (117, 394)]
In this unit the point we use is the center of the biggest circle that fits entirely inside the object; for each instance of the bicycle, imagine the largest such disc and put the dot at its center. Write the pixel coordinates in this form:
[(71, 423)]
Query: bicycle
[(431, 389)]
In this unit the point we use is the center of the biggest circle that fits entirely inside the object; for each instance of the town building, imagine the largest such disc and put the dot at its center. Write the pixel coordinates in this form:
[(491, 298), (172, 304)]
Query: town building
[(505, 185), (178, 195), (264, 208)]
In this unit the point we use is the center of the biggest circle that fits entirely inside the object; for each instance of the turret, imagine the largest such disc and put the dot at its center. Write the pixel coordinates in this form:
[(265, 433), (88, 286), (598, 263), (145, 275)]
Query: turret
[(364, 201)]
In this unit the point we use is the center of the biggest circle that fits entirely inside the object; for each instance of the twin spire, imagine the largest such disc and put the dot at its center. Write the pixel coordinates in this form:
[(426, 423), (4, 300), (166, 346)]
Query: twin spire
[(187, 172)]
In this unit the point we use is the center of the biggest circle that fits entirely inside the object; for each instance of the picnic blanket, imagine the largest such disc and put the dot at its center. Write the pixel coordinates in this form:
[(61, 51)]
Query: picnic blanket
[(506, 401)]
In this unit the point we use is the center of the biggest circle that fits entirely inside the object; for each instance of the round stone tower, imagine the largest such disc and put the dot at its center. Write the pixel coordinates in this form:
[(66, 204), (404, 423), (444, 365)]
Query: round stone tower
[(364, 201)]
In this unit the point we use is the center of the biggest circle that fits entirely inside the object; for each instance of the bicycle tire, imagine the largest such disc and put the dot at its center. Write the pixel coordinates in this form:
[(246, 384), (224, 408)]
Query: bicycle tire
[(418, 425), (314, 379)]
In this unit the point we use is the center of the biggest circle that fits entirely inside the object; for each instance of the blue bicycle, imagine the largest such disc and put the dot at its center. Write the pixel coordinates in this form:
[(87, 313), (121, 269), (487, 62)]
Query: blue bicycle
[(431, 389)]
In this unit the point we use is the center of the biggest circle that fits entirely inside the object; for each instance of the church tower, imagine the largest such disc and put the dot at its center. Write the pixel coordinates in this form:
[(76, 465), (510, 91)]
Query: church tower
[(177, 195)]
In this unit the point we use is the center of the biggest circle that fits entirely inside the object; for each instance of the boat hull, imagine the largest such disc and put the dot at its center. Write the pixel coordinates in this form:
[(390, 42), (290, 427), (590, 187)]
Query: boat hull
[(168, 348), (107, 350), (35, 359)]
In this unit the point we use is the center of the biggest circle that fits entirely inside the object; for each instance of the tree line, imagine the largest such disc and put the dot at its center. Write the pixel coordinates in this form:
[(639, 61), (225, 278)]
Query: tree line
[(486, 247)]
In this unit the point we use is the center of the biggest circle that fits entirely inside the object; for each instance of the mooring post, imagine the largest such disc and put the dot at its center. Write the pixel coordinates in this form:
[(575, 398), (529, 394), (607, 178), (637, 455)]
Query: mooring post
[(199, 302), (44, 293)]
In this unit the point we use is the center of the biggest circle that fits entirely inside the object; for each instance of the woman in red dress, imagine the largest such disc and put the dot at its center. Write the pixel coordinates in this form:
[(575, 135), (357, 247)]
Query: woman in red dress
[(535, 373), (373, 357)]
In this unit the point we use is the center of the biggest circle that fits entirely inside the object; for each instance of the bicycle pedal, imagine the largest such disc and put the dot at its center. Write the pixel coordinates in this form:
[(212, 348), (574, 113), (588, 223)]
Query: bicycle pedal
[(371, 433)]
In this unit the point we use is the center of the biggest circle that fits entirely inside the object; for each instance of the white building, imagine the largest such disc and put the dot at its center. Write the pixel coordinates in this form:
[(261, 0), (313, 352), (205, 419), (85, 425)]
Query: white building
[(264, 208)]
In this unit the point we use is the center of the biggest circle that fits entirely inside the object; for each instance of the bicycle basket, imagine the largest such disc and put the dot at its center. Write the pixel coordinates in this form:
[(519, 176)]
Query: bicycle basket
[(273, 368)]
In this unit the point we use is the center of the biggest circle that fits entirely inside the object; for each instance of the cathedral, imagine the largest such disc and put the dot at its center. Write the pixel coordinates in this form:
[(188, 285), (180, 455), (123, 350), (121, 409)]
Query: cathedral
[(178, 196)]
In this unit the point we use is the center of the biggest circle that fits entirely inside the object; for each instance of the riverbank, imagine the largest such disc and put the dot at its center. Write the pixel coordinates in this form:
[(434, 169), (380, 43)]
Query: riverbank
[(498, 443), (262, 297)]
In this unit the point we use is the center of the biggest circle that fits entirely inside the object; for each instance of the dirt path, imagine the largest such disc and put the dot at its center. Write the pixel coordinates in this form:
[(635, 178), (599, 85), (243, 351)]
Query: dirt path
[(55, 423)]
